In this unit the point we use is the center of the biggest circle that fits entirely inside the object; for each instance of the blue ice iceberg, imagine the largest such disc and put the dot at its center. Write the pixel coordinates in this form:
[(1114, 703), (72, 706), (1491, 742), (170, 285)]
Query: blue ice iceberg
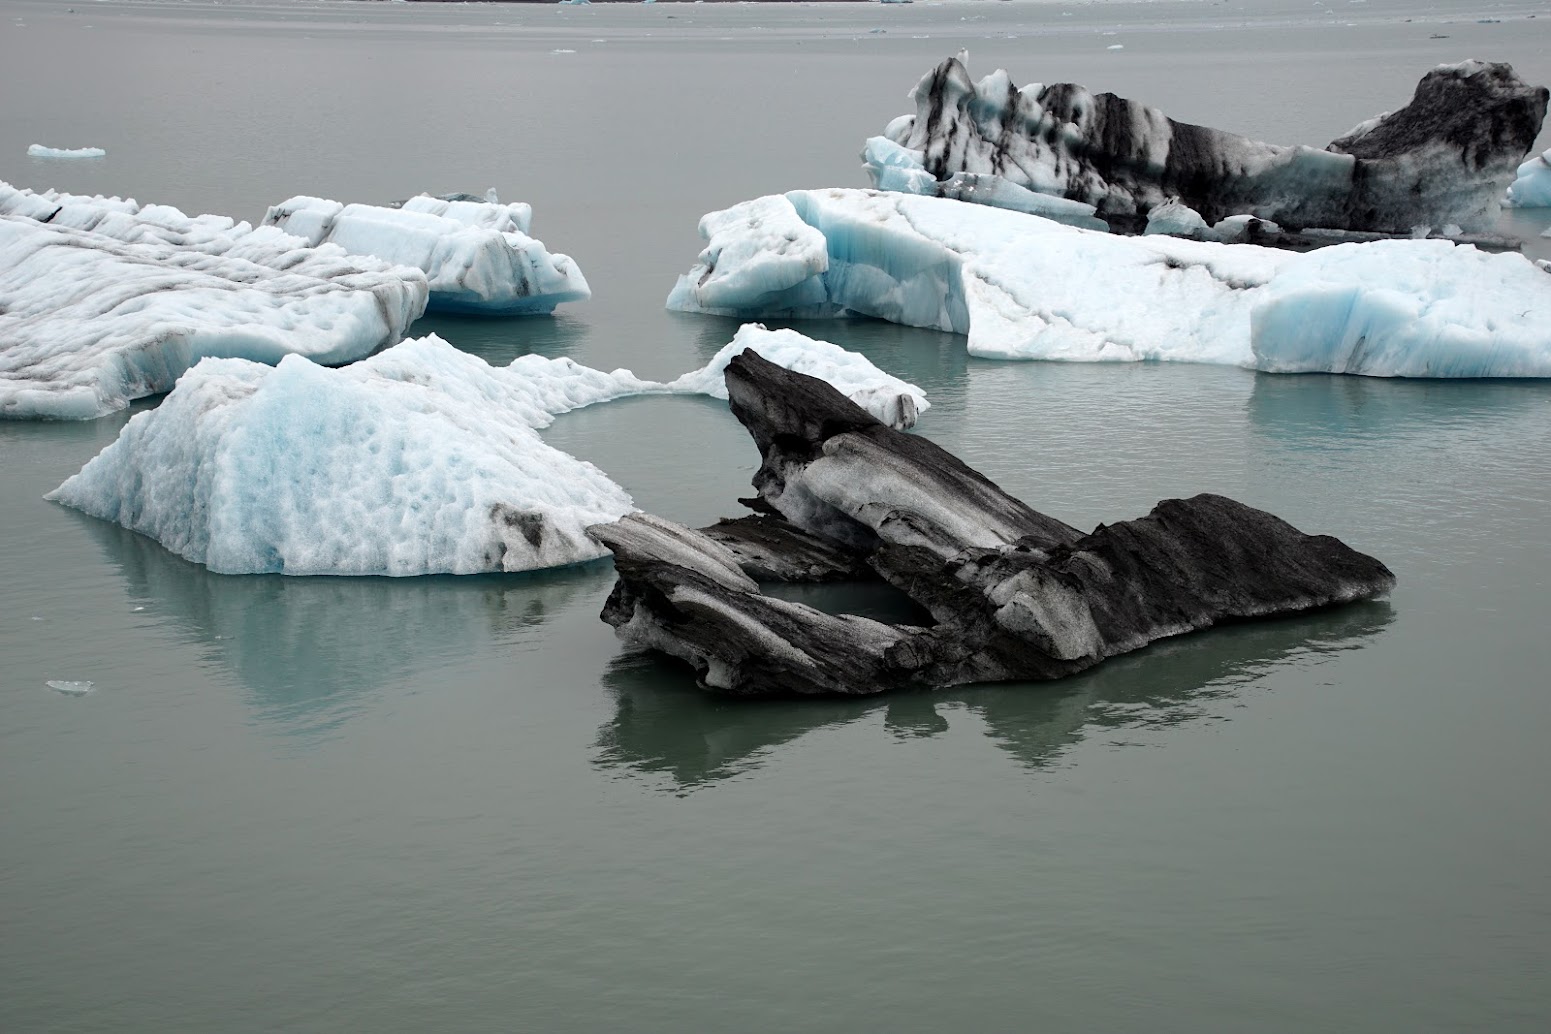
[(419, 460), (103, 300), (1023, 287), (477, 255), (1532, 187)]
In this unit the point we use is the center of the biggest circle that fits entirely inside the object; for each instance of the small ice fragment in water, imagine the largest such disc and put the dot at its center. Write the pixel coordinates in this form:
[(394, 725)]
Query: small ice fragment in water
[(39, 151), (74, 689), (138, 609), (1116, 46)]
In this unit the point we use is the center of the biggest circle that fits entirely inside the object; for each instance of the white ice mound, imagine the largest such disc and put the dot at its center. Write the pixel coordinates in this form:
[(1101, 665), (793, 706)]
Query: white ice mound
[(419, 460), (1532, 187), (103, 301), (895, 402), (477, 255), (39, 151), (1023, 287)]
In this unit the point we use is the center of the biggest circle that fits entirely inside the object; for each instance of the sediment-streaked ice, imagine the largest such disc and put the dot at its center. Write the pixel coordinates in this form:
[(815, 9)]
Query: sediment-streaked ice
[(893, 401), (419, 460), (477, 255), (1023, 287), (103, 301)]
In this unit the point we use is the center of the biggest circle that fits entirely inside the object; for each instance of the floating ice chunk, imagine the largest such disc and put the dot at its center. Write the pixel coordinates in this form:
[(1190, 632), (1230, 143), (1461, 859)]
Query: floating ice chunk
[(1177, 218), (887, 398), (1116, 46), (1405, 309), (103, 301), (477, 255), (1532, 187), (74, 689), (1023, 287), (419, 460), (758, 255), (1446, 157), (39, 151)]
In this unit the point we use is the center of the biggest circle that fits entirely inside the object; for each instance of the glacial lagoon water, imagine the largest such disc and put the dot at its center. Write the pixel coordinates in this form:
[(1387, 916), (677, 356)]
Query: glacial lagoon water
[(457, 804)]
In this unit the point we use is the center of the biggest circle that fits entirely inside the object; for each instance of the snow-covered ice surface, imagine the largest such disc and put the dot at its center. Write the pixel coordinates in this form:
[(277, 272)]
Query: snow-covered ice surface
[(39, 151), (419, 460), (1023, 287), (1532, 187), (103, 301), (895, 402), (477, 255)]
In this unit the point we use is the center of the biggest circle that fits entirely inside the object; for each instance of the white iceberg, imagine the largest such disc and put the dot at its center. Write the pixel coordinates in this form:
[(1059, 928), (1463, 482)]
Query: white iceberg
[(477, 255), (39, 151), (893, 401), (1023, 287), (419, 460), (1532, 187), (103, 301)]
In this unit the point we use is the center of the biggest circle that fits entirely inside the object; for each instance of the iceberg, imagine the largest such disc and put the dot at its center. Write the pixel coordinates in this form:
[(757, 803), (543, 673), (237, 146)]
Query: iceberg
[(477, 255), (103, 301), (1015, 594), (419, 460), (39, 151), (1532, 186), (1023, 287), (1445, 158)]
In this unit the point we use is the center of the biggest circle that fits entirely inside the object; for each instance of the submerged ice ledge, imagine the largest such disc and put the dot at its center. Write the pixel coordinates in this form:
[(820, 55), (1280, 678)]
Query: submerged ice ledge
[(477, 255), (103, 300), (1024, 287), (419, 460)]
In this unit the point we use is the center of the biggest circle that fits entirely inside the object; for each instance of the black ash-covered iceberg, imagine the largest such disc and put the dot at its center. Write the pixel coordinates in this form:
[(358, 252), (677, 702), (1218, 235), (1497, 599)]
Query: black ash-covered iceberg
[(1014, 594), (1443, 160)]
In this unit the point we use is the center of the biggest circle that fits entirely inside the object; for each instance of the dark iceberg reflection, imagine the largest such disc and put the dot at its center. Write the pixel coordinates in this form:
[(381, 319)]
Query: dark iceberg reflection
[(665, 726)]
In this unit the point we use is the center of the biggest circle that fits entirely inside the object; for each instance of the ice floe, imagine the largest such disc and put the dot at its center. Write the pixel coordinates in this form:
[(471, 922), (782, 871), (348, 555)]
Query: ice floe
[(419, 460), (103, 301), (477, 255), (1532, 187), (39, 151), (1023, 287), (69, 687)]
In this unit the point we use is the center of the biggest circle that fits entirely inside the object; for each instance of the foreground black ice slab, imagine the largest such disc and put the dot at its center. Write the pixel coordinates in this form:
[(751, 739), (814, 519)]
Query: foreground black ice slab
[(1014, 594), (1444, 160)]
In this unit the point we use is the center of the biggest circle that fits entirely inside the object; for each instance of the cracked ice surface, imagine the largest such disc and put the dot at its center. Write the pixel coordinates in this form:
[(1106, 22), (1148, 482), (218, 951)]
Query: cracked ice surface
[(103, 300)]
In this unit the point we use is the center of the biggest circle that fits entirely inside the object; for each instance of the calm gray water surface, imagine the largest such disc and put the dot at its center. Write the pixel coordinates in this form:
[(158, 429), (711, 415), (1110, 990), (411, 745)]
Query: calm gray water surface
[(364, 804)]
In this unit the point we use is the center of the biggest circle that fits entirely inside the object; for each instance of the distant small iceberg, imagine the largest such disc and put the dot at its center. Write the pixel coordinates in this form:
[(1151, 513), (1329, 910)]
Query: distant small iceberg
[(39, 151)]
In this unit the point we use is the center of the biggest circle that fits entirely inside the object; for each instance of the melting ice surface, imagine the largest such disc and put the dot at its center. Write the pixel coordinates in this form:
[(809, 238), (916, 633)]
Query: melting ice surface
[(477, 255), (1024, 287), (103, 300), (1532, 187), (419, 460)]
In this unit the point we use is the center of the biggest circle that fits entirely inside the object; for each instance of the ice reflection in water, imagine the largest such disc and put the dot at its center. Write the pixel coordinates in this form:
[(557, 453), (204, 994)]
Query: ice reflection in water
[(311, 651), (664, 727)]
